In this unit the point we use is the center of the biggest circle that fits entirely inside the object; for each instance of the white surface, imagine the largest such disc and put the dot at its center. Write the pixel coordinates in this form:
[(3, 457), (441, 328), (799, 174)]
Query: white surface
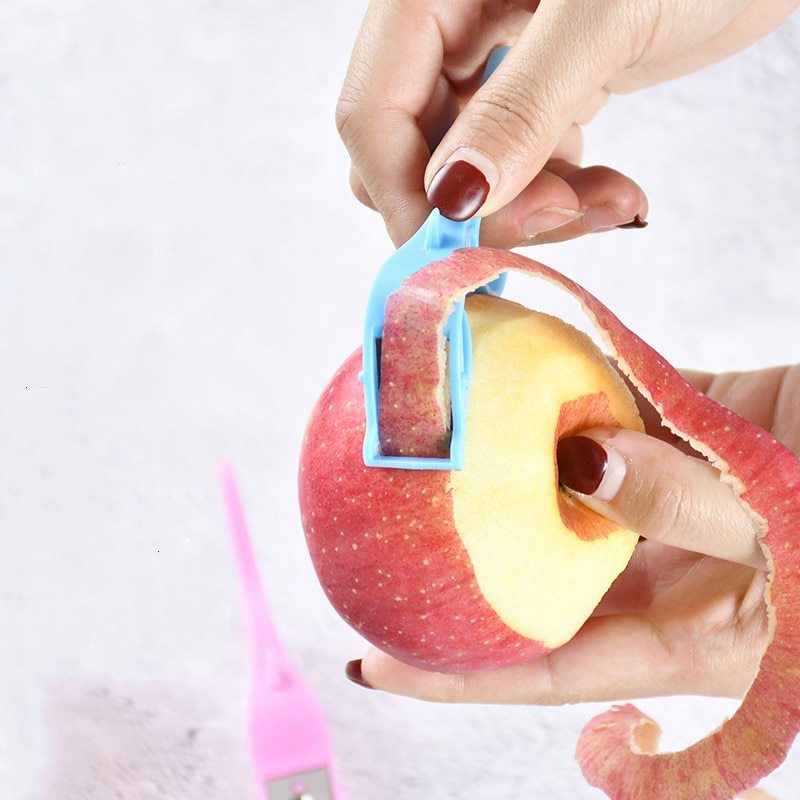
[(181, 269)]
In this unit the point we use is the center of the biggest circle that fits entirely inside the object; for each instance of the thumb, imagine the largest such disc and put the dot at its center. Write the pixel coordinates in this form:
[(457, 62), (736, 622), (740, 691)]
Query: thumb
[(512, 125), (652, 488)]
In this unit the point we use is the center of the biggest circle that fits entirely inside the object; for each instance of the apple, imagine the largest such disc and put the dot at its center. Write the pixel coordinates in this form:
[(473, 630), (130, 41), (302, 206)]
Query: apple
[(486, 566), (617, 750)]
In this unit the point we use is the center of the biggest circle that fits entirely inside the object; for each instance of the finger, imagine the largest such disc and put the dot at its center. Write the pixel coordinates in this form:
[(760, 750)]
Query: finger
[(547, 203), (512, 125), (379, 106), (608, 200), (647, 486), (610, 658), (563, 202), (590, 110), (570, 147), (359, 190), (390, 153), (442, 110), (440, 113)]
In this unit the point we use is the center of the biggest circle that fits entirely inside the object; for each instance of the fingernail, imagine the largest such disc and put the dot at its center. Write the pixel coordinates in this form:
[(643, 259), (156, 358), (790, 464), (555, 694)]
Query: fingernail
[(546, 219), (585, 466), (353, 673), (636, 222), (459, 189), (603, 218)]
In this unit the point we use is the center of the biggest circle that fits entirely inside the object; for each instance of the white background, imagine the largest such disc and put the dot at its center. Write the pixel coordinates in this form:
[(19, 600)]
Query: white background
[(181, 269)]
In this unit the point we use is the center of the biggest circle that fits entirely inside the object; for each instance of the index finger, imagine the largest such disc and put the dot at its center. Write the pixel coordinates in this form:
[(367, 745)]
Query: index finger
[(390, 81)]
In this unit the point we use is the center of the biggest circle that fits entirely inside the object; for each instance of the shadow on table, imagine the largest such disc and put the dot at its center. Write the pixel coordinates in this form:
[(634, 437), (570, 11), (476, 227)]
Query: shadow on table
[(149, 741)]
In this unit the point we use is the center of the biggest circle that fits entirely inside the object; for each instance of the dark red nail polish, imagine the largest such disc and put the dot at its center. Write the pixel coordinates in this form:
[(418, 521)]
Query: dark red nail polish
[(636, 222), (582, 463), (458, 190), (353, 673)]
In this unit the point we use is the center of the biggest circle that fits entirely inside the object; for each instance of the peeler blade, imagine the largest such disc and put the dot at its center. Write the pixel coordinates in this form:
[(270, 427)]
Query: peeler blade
[(313, 785)]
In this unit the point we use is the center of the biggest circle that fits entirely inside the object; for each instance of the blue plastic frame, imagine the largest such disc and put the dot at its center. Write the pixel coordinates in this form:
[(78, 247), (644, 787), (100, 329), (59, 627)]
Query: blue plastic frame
[(436, 239)]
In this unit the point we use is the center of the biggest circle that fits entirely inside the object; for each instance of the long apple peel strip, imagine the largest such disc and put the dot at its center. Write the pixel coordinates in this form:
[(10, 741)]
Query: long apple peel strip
[(616, 750)]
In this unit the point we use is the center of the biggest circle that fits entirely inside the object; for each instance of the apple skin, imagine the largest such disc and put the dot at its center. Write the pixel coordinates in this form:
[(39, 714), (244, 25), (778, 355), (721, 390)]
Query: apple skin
[(386, 551)]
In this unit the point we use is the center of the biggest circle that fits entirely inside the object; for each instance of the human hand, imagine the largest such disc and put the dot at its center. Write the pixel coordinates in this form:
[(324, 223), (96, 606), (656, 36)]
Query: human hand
[(687, 615), (412, 90)]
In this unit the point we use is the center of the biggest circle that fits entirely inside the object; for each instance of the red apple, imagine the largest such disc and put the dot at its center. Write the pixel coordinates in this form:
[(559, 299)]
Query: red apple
[(486, 566)]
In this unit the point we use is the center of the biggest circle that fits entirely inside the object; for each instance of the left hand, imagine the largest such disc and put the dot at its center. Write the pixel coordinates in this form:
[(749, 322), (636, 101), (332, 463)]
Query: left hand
[(687, 616)]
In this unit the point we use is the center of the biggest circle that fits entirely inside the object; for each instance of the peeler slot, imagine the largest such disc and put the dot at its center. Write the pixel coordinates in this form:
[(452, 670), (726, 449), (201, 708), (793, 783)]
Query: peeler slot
[(378, 346)]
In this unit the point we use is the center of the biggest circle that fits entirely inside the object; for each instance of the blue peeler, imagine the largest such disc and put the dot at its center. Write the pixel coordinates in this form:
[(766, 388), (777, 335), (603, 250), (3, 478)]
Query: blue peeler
[(436, 239)]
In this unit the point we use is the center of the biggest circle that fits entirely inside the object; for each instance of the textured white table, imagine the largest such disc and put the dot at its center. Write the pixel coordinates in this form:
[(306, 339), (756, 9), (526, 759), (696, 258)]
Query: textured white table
[(181, 268)]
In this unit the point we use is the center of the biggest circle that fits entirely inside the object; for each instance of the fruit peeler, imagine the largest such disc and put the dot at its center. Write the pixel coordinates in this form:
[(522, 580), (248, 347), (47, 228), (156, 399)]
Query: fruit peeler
[(289, 743), (436, 239)]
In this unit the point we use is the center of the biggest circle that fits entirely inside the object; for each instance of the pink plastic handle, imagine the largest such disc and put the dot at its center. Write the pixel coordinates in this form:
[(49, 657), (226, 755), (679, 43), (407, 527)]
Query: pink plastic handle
[(269, 658), (288, 732)]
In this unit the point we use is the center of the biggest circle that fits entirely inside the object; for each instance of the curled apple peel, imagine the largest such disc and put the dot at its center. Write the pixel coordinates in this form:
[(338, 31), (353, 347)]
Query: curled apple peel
[(617, 749)]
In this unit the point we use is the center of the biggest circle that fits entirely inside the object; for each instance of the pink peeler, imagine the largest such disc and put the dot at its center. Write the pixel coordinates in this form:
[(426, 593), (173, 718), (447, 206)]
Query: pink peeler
[(289, 743)]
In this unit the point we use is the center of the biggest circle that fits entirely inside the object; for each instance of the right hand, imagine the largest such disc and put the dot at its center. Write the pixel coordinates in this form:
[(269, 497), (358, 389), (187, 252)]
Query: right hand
[(412, 90)]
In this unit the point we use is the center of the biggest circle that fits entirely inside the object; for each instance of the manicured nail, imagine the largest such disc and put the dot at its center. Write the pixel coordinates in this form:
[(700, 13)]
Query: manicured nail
[(353, 673), (547, 219), (582, 463), (585, 466), (458, 190), (636, 222), (603, 218)]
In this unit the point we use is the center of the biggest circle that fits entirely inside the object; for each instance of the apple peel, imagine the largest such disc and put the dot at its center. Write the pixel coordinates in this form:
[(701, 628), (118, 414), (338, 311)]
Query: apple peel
[(616, 750)]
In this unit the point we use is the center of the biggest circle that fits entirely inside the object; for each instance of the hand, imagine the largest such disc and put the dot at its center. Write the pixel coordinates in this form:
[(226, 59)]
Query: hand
[(687, 615), (412, 90)]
